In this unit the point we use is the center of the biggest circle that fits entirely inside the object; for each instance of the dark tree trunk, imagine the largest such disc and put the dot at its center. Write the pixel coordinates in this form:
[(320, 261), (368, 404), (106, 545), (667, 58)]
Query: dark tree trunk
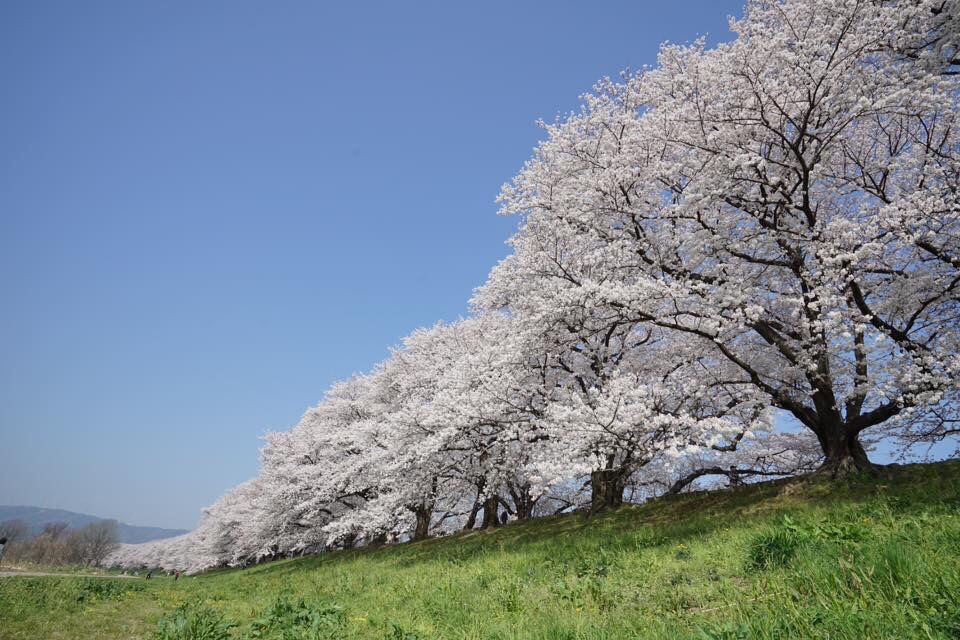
[(491, 507), (606, 489), (472, 518), (349, 540), (422, 528), (525, 509), (477, 505), (523, 502), (843, 453), (734, 475)]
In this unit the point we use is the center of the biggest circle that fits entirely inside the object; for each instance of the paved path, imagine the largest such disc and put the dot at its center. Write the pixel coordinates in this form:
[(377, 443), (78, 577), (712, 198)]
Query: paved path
[(14, 574)]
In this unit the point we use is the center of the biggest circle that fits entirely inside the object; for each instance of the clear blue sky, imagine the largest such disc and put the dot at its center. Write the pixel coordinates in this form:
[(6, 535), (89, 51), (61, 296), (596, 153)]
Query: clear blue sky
[(209, 211)]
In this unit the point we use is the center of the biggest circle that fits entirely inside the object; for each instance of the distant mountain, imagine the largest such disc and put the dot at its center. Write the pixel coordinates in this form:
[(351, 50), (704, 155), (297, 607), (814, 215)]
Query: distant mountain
[(36, 517)]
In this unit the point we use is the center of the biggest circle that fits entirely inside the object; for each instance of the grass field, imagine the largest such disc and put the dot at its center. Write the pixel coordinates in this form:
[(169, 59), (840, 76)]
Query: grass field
[(811, 559)]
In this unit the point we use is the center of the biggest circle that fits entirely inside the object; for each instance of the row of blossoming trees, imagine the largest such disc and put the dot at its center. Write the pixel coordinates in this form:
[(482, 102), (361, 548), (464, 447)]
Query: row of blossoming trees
[(769, 226)]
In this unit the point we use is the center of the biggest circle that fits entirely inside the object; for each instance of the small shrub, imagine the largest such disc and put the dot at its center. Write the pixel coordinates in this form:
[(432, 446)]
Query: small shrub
[(648, 539), (827, 531), (510, 596), (946, 618), (568, 590), (398, 633), (91, 590), (596, 564), (287, 620), (772, 548), (678, 579), (191, 621)]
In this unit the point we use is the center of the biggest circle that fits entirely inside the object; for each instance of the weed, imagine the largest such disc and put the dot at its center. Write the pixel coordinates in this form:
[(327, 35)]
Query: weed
[(288, 620), (91, 589), (397, 632), (192, 621), (773, 548)]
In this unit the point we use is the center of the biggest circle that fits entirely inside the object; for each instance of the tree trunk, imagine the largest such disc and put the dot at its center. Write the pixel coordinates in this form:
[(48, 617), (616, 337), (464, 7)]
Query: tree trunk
[(843, 453), (349, 540), (491, 507), (524, 511), (523, 502), (734, 476), (477, 505), (606, 489), (472, 518), (524, 508), (422, 528)]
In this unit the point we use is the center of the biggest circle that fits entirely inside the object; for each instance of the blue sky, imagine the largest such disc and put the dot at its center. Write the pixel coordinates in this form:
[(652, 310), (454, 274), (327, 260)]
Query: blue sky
[(209, 211)]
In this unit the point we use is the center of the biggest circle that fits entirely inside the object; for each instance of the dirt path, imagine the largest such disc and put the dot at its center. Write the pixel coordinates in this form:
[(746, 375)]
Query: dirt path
[(41, 574)]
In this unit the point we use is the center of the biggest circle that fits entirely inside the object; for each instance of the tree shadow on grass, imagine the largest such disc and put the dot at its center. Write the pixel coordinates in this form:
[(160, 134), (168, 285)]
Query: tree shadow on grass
[(666, 520)]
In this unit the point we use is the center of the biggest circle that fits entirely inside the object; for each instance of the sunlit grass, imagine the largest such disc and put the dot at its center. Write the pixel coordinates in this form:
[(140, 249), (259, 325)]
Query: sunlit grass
[(865, 559)]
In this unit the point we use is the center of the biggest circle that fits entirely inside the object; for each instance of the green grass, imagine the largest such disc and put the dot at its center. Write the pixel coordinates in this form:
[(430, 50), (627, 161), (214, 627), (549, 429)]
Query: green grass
[(861, 559)]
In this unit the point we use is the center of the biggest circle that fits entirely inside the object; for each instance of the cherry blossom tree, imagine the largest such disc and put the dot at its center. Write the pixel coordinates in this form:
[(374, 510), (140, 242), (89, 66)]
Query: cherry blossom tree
[(455, 433), (769, 225), (787, 202)]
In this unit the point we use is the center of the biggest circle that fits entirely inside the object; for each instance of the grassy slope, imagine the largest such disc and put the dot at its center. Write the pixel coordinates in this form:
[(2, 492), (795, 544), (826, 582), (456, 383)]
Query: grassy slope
[(865, 559)]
